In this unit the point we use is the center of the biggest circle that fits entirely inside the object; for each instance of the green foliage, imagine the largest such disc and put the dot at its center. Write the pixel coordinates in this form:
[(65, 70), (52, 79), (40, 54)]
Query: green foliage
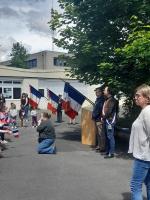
[(133, 59), (108, 43), (18, 56), (91, 30), (131, 65)]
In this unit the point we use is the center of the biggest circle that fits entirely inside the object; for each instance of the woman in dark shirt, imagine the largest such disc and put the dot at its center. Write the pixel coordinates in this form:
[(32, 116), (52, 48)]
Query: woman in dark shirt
[(25, 105), (46, 135)]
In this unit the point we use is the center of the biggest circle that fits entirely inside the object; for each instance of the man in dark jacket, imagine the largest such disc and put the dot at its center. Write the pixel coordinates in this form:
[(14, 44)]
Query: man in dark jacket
[(59, 109), (96, 116), (110, 109)]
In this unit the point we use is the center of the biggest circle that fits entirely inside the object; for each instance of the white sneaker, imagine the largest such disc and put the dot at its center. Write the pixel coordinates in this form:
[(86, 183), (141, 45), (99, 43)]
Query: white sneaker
[(4, 142)]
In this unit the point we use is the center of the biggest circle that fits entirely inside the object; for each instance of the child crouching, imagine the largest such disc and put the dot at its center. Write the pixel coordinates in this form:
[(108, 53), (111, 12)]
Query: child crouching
[(46, 135)]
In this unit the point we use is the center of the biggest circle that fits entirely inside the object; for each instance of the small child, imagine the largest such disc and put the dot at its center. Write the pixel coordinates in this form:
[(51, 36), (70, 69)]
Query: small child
[(34, 117), (13, 114)]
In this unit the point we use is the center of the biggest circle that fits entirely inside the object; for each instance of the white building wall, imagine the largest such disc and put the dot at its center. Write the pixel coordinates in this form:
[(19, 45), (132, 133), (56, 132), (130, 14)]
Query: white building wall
[(29, 81), (56, 85)]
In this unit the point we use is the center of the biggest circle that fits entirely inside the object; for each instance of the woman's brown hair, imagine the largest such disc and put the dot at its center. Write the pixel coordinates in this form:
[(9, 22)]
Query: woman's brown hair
[(46, 115)]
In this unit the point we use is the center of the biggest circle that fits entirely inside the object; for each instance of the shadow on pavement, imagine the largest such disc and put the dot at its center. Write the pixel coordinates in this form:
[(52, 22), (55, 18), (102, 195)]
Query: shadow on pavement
[(122, 144), (127, 196), (74, 135), (16, 156), (70, 132)]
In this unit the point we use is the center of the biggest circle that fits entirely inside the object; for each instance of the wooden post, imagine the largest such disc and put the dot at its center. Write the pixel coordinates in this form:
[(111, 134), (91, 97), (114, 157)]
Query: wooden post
[(88, 128)]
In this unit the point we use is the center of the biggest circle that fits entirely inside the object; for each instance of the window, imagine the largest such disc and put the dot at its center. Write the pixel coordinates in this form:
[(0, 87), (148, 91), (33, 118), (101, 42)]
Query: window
[(16, 93), (32, 63), (7, 92), (59, 62), (11, 93), (11, 89), (41, 91), (17, 82), (7, 82)]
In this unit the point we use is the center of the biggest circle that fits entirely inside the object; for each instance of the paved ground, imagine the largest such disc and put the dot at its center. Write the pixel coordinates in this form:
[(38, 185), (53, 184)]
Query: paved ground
[(75, 173)]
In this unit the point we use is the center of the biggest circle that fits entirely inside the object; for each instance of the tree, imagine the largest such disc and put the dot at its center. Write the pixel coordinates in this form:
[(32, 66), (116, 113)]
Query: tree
[(133, 60), (92, 30), (18, 56), (130, 66)]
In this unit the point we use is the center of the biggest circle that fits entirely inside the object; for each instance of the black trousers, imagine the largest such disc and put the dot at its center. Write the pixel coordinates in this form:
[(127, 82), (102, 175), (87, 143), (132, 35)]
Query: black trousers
[(2, 135), (59, 116)]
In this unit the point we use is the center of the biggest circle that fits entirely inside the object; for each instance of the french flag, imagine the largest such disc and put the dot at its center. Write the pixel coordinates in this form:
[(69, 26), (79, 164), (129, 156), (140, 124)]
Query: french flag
[(54, 101), (35, 97), (73, 101)]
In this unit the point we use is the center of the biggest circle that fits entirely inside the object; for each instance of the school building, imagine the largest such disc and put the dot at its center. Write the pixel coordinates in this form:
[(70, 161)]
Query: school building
[(43, 60), (46, 70), (14, 81)]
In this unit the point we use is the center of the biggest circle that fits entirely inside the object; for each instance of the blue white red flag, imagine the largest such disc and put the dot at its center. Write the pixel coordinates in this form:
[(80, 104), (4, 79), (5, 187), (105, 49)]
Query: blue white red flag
[(35, 97), (52, 106), (73, 101)]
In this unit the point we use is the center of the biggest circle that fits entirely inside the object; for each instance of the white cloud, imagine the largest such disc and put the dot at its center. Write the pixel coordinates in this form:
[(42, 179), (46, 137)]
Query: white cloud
[(25, 21), (38, 24), (5, 46), (8, 12)]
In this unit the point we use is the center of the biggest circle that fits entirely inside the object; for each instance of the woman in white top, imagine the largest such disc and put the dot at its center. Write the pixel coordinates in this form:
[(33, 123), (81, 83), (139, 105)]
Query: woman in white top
[(139, 144)]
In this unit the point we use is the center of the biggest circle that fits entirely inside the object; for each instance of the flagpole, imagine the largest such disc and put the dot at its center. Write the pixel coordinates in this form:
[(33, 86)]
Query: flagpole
[(91, 102)]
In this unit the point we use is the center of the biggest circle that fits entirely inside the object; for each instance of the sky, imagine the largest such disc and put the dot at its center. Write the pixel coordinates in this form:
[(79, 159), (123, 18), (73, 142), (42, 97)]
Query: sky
[(25, 21)]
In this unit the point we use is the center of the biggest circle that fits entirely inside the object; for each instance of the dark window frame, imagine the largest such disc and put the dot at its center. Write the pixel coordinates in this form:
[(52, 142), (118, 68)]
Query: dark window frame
[(42, 91), (58, 62), (32, 63), (18, 95)]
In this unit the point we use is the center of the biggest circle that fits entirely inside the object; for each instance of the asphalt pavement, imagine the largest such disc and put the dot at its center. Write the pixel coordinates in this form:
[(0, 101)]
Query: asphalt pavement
[(76, 172)]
